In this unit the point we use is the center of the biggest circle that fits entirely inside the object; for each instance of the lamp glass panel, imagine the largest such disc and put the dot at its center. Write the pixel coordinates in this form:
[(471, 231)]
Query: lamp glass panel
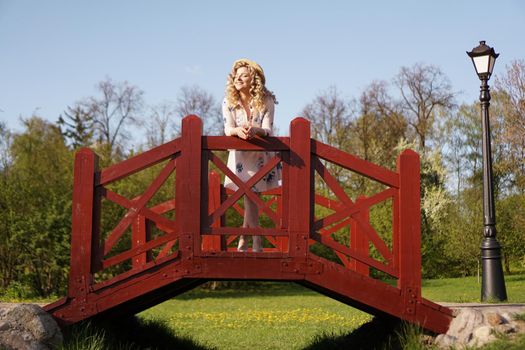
[(482, 64), (491, 63)]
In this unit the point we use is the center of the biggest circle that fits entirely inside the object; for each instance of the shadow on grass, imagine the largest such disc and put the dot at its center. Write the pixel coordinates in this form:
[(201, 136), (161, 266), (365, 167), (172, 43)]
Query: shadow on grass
[(378, 334), (131, 333)]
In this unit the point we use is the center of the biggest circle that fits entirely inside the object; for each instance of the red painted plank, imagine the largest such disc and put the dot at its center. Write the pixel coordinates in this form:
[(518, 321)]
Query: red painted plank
[(332, 183), (371, 294), (326, 231), (409, 222), (355, 254), (395, 230), (127, 277), (360, 166), (164, 207), (359, 240), (188, 187), (128, 254), (138, 205), (344, 211), (211, 243), (80, 275), (328, 203), (254, 231), (223, 143), (364, 226), (273, 192), (285, 194), (300, 185), (239, 257), (244, 189), (153, 214), (345, 260), (139, 236), (372, 235), (139, 162)]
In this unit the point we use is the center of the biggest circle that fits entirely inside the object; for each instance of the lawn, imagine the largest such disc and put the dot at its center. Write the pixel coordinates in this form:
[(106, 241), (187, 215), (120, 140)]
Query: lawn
[(468, 289), (270, 316), (286, 315)]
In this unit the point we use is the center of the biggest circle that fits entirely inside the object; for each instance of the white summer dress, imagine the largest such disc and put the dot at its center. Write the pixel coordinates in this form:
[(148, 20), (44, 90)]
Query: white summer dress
[(246, 163)]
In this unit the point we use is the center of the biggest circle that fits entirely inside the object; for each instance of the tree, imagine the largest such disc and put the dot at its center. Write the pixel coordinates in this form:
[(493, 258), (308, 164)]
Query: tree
[(77, 126), (36, 209), (161, 125), (331, 117), (195, 100), (425, 92), (8, 255), (509, 98), (118, 107), (5, 144), (463, 138), (380, 126), (511, 228)]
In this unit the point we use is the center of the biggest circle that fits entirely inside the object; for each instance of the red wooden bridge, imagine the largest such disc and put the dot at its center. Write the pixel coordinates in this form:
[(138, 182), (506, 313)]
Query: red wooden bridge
[(157, 251)]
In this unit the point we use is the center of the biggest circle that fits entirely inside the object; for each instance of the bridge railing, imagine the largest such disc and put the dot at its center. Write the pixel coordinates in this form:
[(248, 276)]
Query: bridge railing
[(401, 259), (197, 226)]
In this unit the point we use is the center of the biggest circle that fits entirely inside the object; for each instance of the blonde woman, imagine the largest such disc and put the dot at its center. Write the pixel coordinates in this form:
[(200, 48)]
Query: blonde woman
[(248, 112)]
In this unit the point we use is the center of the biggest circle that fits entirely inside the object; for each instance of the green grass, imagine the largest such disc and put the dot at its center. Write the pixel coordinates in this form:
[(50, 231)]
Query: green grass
[(507, 344), (273, 316), (468, 290)]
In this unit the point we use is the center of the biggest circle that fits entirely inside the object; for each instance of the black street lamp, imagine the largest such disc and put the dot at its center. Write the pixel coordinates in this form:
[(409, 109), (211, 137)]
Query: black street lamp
[(492, 281)]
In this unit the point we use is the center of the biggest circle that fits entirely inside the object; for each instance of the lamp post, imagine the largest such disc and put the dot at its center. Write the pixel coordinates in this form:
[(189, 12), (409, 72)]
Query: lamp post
[(492, 282)]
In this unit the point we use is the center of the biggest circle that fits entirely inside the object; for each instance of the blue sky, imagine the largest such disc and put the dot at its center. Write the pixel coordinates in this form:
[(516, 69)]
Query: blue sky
[(52, 53)]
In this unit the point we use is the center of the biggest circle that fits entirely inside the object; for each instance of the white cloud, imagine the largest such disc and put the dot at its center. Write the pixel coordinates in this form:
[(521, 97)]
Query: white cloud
[(194, 70)]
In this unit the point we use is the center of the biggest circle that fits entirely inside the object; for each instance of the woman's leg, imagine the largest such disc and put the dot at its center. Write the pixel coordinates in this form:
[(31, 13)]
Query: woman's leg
[(251, 219)]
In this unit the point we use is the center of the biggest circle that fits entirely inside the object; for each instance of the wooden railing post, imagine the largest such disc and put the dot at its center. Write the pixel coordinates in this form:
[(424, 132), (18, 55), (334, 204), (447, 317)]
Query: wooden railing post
[(359, 240), (281, 241), (210, 242), (300, 188), (409, 229), (140, 235), (188, 188), (84, 243)]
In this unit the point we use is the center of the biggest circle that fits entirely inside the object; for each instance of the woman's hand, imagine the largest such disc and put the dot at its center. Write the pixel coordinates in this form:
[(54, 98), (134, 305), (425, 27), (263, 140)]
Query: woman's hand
[(256, 131), (249, 132), (242, 133)]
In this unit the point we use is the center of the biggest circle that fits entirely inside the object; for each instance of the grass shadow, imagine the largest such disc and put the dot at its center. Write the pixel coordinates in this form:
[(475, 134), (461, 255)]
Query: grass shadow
[(378, 334), (131, 333)]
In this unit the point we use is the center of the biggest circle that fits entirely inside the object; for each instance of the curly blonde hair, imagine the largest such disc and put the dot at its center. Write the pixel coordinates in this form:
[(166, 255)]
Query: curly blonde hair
[(258, 90)]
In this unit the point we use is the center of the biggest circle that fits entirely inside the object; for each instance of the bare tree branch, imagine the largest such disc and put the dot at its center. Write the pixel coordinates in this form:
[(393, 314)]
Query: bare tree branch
[(424, 90), (195, 100)]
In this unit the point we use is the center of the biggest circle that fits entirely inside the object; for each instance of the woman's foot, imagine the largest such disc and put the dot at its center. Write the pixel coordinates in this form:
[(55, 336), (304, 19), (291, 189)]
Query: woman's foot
[(243, 245)]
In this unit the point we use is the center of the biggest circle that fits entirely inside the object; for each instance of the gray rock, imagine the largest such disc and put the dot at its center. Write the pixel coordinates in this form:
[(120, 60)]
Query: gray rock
[(464, 324), (28, 326), (505, 328), (494, 319), (481, 336), (508, 316), (477, 324), (519, 325), (445, 340)]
